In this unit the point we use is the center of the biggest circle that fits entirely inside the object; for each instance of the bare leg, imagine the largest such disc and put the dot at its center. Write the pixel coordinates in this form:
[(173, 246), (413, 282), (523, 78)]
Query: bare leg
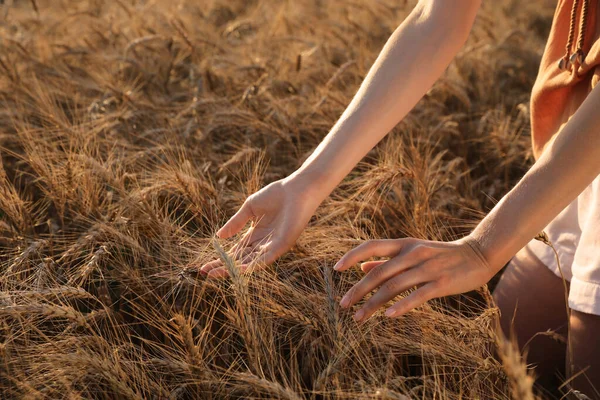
[(585, 353), (531, 300)]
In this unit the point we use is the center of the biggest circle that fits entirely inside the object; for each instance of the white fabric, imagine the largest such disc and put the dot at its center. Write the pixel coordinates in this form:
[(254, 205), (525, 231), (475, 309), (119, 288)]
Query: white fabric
[(575, 233)]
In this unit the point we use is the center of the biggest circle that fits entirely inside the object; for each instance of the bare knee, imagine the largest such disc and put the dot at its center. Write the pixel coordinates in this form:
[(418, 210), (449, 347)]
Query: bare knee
[(526, 287), (583, 360), (532, 301)]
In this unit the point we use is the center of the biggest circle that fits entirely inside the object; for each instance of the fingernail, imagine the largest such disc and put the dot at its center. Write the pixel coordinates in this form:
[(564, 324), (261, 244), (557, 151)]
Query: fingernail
[(338, 265), (390, 312), (359, 315), (345, 301), (219, 232)]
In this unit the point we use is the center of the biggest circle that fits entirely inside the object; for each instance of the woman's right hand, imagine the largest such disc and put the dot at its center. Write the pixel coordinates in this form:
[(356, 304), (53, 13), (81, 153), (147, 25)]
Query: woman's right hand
[(279, 213)]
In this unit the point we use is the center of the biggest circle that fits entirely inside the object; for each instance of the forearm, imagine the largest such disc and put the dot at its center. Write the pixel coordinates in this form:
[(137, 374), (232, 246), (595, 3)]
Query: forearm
[(563, 171), (412, 59)]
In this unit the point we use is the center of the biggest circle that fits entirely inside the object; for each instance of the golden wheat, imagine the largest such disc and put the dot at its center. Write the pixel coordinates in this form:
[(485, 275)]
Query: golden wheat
[(130, 130)]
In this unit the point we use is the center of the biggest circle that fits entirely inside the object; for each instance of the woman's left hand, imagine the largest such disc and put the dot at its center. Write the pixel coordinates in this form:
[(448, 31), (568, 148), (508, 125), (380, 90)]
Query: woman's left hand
[(438, 268)]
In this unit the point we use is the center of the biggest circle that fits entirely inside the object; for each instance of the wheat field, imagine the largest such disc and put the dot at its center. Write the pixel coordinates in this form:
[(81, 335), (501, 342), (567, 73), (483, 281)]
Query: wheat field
[(130, 130)]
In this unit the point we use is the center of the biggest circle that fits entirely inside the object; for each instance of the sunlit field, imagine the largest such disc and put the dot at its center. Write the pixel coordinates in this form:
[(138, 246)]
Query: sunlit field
[(131, 130)]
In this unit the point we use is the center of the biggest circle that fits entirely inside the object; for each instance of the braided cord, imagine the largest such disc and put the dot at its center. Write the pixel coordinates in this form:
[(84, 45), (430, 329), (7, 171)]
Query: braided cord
[(583, 25), (569, 60), (572, 28)]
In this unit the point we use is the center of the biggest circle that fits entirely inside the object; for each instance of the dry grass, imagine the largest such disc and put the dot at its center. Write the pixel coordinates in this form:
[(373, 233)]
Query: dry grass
[(130, 130)]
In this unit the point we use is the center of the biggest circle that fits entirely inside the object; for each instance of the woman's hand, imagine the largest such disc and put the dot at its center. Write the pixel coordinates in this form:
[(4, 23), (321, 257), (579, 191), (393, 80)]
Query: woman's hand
[(279, 213), (438, 268)]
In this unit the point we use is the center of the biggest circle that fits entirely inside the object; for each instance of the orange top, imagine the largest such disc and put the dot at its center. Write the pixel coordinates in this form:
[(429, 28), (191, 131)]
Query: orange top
[(557, 92)]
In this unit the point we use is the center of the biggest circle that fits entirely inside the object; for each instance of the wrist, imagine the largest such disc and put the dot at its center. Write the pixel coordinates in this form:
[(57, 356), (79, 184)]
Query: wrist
[(475, 247), (493, 253), (313, 186)]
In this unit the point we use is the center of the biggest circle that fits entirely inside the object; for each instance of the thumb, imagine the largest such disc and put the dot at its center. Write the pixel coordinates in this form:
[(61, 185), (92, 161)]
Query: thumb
[(369, 265), (236, 223)]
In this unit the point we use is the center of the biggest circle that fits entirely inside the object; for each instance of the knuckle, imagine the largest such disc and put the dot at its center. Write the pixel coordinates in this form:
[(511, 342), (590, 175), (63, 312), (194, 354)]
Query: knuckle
[(421, 298), (365, 246), (437, 285), (376, 273), (368, 307), (407, 241), (431, 266), (418, 296), (249, 205), (429, 295), (427, 268), (351, 292), (427, 292), (442, 281), (251, 199), (371, 305), (373, 244), (391, 286), (420, 250)]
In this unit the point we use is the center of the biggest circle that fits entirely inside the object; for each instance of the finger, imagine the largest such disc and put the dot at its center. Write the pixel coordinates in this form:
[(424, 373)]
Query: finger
[(369, 265), (242, 265), (237, 222), (248, 258), (206, 268), (223, 272), (391, 289), (253, 238), (379, 275), (413, 300), (257, 259), (269, 252), (218, 273), (372, 248), (242, 244)]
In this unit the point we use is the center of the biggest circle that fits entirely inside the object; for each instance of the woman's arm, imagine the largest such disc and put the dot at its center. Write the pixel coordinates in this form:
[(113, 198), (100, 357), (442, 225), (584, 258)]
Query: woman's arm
[(413, 58), (567, 166)]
